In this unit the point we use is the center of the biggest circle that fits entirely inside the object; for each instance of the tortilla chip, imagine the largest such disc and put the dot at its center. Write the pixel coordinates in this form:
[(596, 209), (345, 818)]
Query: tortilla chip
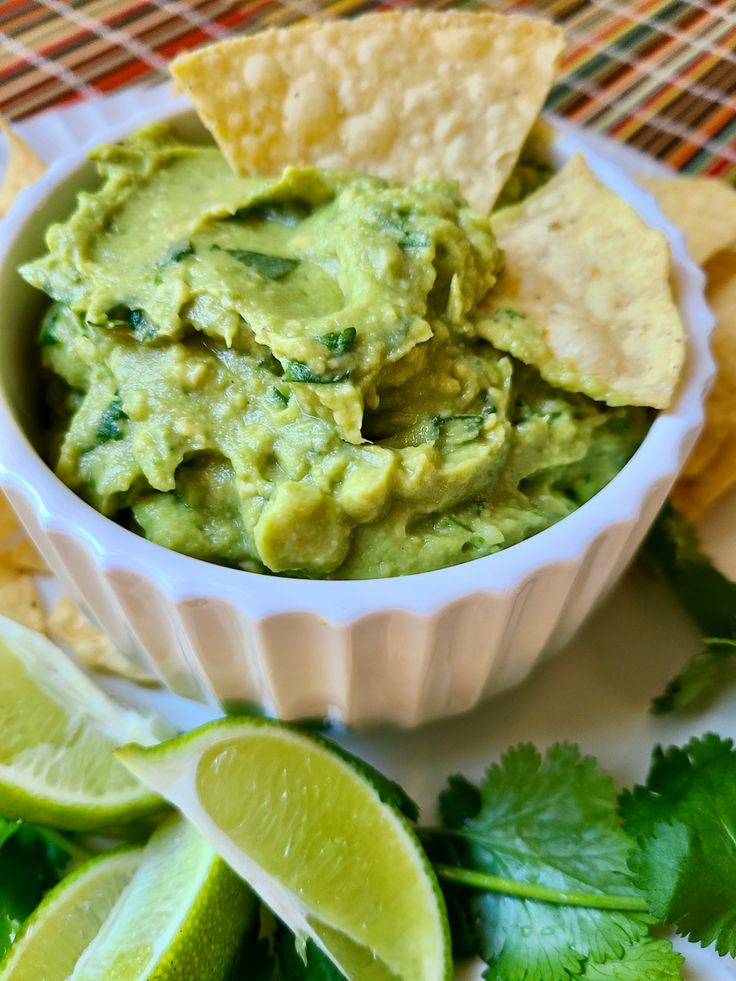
[(69, 627), (9, 524), (399, 95), (585, 294), (711, 469), (19, 599), (704, 208), (24, 557), (693, 496), (24, 167)]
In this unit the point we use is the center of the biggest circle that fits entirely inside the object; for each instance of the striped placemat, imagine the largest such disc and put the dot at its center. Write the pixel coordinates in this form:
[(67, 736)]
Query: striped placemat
[(659, 75)]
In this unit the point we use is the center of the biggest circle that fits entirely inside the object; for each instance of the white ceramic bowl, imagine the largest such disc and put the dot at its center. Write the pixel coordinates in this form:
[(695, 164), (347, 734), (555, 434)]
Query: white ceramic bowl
[(404, 650)]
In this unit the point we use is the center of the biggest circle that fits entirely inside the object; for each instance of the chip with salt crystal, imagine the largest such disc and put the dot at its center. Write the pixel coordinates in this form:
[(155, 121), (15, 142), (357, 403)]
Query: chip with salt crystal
[(398, 95), (585, 295)]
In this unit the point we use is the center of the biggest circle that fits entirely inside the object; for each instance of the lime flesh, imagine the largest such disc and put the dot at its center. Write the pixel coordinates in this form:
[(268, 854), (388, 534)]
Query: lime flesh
[(182, 915), (59, 732), (310, 834), (69, 918), (171, 910)]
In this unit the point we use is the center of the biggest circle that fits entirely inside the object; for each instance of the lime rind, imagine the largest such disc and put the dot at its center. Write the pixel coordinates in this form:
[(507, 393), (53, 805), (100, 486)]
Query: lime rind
[(69, 917), (59, 732), (183, 914), (357, 921)]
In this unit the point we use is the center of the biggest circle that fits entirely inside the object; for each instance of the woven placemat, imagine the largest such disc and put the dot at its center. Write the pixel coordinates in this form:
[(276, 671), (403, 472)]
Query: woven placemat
[(660, 76)]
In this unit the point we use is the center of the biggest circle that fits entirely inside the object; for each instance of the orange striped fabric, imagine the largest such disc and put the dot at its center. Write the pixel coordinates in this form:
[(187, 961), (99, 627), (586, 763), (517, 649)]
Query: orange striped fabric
[(659, 75)]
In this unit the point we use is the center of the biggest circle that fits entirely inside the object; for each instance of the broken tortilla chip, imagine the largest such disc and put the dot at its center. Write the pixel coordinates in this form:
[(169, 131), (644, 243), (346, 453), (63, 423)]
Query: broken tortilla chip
[(24, 557), (711, 468), (24, 167), (68, 626), (19, 599), (585, 295), (397, 95), (704, 208)]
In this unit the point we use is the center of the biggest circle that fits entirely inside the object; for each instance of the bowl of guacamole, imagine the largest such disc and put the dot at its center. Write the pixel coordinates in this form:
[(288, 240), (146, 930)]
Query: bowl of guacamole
[(259, 425), (289, 375)]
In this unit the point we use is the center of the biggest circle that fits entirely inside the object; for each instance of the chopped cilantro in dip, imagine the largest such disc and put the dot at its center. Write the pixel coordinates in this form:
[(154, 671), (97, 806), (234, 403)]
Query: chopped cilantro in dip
[(286, 374)]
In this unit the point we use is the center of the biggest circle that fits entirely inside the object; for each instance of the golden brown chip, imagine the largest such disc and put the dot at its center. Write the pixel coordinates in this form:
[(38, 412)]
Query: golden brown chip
[(68, 626), (693, 496), (711, 469), (585, 294), (24, 167), (399, 95), (704, 208), (19, 599)]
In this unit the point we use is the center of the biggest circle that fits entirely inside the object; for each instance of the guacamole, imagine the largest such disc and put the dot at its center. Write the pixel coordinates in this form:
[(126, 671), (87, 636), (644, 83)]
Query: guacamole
[(286, 375)]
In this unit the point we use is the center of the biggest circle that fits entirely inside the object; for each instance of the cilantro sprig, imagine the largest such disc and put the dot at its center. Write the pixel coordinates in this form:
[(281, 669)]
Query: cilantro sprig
[(32, 860), (673, 554), (540, 847), (684, 819)]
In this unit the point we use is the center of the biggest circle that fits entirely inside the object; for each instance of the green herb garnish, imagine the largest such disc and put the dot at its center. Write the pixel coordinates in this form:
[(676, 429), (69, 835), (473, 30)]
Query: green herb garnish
[(48, 336), (297, 371), (109, 427), (176, 252), (685, 820), (272, 267), (673, 554), (288, 213), (136, 319), (31, 861), (339, 343), (539, 849)]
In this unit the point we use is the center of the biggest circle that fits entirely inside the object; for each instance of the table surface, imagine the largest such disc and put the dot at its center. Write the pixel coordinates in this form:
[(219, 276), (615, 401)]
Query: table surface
[(659, 75)]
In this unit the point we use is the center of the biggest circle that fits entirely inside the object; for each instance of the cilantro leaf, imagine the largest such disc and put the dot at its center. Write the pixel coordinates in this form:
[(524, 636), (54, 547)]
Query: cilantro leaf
[(272, 267), (339, 343), (672, 552), (7, 829), (549, 823), (292, 967), (297, 371), (176, 252), (461, 800), (701, 678), (650, 960), (255, 961), (31, 861), (109, 428), (685, 819)]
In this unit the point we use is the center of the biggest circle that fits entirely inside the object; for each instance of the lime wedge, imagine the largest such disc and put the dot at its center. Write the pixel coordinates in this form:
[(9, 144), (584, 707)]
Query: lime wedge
[(168, 911), (69, 918), (183, 915), (59, 732), (311, 835)]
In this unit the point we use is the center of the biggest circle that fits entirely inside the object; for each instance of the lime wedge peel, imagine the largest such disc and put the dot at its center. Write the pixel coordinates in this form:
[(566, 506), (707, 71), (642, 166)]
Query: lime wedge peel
[(182, 915), (310, 834), (59, 732), (168, 911), (68, 919)]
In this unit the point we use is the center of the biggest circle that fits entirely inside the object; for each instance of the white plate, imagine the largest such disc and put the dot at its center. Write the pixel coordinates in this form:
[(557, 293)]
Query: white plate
[(595, 693)]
